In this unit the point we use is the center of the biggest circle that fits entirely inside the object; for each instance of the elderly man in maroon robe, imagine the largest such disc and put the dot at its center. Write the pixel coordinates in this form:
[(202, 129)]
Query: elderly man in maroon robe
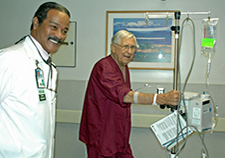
[(106, 118)]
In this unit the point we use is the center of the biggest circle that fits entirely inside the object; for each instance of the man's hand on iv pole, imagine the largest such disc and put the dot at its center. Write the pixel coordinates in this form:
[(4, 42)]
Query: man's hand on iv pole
[(169, 98)]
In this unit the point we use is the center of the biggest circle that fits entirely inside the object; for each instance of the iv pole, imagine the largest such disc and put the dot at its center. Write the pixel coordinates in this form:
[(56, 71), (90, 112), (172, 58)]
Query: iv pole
[(176, 29)]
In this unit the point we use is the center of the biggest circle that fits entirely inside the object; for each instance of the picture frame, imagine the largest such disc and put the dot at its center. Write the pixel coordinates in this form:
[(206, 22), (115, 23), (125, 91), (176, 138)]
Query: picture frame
[(66, 54), (154, 37)]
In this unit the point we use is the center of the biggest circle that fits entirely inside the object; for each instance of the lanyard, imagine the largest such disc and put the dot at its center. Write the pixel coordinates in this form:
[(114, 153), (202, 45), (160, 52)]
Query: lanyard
[(40, 78), (39, 73)]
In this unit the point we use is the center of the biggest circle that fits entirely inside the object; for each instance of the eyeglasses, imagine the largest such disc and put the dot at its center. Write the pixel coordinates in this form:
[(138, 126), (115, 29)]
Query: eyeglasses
[(126, 47)]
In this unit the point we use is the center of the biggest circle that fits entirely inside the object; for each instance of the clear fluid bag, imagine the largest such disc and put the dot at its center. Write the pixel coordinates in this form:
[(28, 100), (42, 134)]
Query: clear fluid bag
[(209, 35)]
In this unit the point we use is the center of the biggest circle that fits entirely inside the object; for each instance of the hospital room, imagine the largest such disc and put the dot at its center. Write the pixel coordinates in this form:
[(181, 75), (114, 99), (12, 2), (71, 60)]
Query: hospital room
[(178, 54)]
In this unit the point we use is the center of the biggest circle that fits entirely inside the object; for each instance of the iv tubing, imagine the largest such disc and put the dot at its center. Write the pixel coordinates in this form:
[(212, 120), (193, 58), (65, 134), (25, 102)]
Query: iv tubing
[(201, 138)]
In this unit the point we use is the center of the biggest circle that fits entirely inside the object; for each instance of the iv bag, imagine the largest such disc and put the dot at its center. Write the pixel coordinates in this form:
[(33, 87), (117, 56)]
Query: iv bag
[(209, 35)]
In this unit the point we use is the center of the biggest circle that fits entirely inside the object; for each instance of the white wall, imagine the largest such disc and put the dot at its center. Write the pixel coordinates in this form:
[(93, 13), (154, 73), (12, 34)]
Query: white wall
[(90, 16)]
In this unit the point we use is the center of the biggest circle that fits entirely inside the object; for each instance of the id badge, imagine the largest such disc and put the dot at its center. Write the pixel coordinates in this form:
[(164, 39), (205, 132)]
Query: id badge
[(40, 84), (41, 94), (39, 78)]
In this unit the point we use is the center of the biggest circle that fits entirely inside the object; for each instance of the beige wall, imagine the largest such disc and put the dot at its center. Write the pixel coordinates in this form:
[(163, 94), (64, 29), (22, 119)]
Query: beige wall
[(90, 16)]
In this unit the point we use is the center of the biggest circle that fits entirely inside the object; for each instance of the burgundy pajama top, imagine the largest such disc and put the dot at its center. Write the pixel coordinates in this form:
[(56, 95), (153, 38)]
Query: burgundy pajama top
[(106, 119)]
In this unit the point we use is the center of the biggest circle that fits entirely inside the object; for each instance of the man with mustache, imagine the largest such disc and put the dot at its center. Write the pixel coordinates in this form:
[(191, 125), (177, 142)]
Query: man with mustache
[(106, 118), (28, 82)]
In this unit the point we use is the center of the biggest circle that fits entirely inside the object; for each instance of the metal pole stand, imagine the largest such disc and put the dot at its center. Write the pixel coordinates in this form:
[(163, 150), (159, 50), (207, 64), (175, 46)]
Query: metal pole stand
[(176, 29)]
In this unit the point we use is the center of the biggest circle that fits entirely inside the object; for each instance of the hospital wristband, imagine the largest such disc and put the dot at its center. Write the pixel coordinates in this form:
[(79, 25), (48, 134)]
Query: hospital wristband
[(136, 97), (154, 100)]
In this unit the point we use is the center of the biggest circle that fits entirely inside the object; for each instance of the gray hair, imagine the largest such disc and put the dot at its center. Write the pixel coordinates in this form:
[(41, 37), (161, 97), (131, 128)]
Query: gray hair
[(121, 35)]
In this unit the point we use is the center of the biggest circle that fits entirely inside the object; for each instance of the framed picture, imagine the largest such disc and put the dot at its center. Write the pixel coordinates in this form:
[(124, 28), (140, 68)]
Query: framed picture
[(153, 33), (66, 55)]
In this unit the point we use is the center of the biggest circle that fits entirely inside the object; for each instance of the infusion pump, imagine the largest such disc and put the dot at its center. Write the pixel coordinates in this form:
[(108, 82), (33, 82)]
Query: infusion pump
[(198, 111), (194, 113)]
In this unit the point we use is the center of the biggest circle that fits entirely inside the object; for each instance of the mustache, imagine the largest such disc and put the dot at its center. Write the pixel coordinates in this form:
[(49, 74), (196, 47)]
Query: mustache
[(55, 39)]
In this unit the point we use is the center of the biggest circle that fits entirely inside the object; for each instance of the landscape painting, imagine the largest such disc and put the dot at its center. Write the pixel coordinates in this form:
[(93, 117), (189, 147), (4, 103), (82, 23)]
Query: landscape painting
[(154, 38)]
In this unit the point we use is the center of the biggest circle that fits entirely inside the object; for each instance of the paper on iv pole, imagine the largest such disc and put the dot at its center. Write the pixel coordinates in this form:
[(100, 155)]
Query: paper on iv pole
[(166, 130)]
